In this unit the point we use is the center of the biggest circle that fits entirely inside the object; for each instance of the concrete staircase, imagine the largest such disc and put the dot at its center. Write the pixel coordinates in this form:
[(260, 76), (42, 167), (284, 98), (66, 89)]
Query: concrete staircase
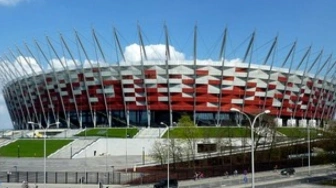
[(68, 133), (151, 133)]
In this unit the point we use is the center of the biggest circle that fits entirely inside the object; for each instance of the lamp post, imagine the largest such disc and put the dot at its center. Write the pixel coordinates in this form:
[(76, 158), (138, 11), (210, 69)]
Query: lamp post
[(126, 158), (18, 151), (308, 142), (252, 136), (112, 174), (16, 173), (45, 149), (167, 154)]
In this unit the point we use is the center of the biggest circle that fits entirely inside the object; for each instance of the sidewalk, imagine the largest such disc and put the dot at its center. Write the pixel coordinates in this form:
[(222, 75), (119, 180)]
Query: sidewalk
[(32, 185)]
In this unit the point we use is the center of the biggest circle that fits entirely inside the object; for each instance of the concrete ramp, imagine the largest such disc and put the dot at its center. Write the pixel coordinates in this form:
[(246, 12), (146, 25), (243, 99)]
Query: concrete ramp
[(72, 148), (4, 142)]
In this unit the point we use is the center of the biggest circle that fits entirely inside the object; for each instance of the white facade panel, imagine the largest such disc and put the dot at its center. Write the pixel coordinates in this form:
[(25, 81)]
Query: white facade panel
[(64, 93), (129, 99), (175, 90), (93, 99), (175, 81), (150, 81), (162, 90), (163, 98), (186, 95), (77, 92), (213, 90), (202, 80), (109, 90), (237, 101), (128, 81), (227, 82), (129, 90)]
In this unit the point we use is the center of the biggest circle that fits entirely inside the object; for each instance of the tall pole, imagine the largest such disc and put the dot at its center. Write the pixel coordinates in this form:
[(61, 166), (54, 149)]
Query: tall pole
[(252, 138), (106, 153), (18, 151), (167, 154), (126, 153), (45, 156), (44, 149), (168, 159), (308, 140)]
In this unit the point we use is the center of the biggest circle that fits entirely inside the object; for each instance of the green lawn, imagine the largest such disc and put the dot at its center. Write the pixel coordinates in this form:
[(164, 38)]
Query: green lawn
[(110, 132), (298, 132), (31, 148), (208, 132), (230, 132)]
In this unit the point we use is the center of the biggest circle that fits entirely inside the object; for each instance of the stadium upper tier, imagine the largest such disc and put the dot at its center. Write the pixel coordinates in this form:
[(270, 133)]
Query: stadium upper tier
[(148, 92)]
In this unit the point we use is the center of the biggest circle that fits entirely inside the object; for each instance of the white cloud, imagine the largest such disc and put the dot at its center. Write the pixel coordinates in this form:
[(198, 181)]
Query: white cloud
[(153, 52), (66, 62), (6, 122), (10, 2), (27, 65), (21, 66)]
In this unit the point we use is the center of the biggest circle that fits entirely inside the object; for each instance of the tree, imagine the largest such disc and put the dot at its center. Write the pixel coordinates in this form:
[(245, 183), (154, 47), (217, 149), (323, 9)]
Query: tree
[(159, 152), (176, 151), (329, 140), (189, 134), (266, 130)]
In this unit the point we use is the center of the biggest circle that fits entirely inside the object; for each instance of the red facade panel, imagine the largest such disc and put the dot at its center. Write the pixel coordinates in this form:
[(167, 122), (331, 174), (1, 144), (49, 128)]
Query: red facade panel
[(228, 78), (251, 84), (241, 70), (138, 81), (188, 81), (282, 79), (215, 82), (202, 72), (271, 86), (139, 90), (188, 90)]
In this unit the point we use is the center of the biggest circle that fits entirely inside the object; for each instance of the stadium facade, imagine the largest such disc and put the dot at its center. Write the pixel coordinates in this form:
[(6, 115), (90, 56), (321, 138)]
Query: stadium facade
[(150, 91)]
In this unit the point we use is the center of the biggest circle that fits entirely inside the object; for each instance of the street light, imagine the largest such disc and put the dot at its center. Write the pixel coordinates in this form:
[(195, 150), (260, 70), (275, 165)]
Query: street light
[(18, 151), (167, 154), (44, 148), (308, 142), (252, 136), (112, 174)]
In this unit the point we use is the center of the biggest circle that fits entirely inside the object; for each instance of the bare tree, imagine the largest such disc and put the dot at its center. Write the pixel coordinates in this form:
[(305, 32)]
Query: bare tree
[(159, 152), (176, 151), (329, 140), (266, 130)]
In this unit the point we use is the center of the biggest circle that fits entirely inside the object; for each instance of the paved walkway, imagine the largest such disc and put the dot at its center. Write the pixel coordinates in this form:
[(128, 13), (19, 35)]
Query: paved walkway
[(19, 185)]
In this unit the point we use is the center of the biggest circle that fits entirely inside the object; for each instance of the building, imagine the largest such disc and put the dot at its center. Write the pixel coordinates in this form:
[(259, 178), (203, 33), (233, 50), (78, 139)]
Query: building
[(147, 92)]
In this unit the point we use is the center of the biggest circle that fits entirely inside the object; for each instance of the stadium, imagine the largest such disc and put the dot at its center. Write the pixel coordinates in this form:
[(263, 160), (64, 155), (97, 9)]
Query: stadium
[(50, 81)]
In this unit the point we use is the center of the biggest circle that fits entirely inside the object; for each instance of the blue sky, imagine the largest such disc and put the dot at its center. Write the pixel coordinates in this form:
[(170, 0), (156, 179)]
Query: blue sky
[(310, 22)]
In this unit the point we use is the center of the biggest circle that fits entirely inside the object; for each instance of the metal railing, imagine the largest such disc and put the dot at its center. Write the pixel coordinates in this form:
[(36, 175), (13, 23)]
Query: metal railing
[(68, 177)]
